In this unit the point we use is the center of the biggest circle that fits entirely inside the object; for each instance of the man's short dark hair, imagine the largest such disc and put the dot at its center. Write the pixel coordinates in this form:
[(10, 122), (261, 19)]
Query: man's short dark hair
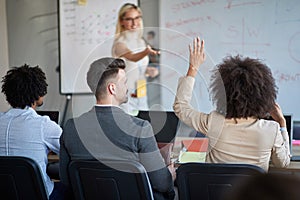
[(24, 85), (100, 71), (250, 89)]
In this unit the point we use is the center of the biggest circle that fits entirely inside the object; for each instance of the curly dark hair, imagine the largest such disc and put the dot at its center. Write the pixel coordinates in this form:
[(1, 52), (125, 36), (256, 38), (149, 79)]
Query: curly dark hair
[(243, 87), (24, 85)]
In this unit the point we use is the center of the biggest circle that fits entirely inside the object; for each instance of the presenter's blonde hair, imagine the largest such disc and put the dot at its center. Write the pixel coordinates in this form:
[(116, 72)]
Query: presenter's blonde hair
[(122, 12)]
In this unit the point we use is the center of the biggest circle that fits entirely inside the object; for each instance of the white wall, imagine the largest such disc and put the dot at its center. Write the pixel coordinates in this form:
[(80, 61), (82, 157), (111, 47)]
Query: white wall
[(151, 22), (4, 51), (33, 39), (150, 12)]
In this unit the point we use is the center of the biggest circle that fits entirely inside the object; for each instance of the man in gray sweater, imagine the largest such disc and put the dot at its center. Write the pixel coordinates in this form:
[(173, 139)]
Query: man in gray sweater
[(107, 132)]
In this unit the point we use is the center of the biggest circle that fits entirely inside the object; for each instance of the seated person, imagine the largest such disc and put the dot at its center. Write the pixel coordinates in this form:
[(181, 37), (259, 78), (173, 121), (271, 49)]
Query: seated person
[(22, 131), (244, 92), (107, 132)]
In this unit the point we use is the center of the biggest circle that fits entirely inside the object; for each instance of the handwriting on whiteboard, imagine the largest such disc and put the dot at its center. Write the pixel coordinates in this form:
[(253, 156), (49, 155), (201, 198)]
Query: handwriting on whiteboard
[(90, 27), (282, 77)]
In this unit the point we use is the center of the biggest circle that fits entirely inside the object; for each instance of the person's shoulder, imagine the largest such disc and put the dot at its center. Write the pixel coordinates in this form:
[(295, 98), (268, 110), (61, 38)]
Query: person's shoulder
[(2, 113), (267, 128), (268, 122), (137, 120), (140, 122), (216, 116), (48, 126), (82, 118), (4, 116), (120, 39)]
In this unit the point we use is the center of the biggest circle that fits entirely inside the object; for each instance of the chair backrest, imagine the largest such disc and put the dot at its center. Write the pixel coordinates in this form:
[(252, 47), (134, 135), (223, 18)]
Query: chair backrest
[(21, 178), (112, 180), (208, 181)]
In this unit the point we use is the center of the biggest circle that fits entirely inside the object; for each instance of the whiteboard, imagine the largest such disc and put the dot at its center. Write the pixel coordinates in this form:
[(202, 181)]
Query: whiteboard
[(264, 29), (86, 33)]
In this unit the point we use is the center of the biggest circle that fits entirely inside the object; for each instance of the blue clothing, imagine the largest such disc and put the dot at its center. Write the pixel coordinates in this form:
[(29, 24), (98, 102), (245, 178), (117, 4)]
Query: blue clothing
[(25, 133)]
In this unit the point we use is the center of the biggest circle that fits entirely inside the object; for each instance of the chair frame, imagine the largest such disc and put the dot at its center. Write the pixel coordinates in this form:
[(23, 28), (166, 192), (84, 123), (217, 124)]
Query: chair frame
[(21, 178), (210, 176), (112, 170)]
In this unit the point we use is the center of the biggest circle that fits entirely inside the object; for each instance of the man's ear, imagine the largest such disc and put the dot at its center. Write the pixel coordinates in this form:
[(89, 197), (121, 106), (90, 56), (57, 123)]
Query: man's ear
[(111, 88)]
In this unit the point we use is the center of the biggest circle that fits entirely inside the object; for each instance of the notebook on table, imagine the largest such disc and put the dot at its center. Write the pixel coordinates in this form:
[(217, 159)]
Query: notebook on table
[(194, 150)]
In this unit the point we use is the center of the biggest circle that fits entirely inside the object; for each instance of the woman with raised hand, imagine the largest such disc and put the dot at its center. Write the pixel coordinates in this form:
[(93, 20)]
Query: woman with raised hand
[(244, 93)]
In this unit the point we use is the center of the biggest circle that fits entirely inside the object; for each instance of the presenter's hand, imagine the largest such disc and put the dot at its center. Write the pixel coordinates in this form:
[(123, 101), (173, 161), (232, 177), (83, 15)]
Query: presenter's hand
[(277, 115), (197, 56), (152, 51)]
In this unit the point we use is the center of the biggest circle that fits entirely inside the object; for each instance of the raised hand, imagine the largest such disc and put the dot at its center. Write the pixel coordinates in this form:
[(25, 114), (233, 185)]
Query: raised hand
[(197, 56)]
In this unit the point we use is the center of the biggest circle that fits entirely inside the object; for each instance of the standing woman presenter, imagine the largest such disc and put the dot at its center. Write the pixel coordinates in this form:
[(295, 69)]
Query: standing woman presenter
[(130, 45)]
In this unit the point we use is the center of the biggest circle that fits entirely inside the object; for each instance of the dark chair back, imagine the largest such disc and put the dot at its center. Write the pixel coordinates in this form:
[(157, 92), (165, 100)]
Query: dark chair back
[(21, 178), (113, 180), (207, 181)]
